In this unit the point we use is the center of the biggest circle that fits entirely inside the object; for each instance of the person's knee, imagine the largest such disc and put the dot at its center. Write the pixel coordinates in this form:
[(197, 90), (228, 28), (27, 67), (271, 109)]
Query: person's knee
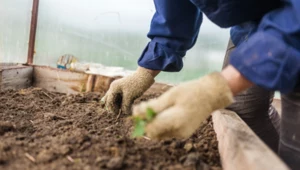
[(289, 148), (253, 107), (290, 155)]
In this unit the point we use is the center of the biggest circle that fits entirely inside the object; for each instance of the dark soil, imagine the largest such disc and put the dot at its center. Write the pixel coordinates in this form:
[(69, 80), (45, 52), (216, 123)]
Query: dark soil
[(46, 130)]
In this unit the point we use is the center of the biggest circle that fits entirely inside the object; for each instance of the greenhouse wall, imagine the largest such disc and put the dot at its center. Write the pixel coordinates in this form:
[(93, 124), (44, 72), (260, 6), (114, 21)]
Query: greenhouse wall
[(110, 32), (14, 30)]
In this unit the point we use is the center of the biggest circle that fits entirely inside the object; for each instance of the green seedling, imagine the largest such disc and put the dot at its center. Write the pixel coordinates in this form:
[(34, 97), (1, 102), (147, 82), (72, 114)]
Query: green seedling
[(150, 114), (140, 124), (139, 127)]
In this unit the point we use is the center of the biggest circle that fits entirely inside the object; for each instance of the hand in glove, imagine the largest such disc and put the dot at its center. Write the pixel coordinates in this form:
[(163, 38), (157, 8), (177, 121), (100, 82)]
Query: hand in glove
[(124, 91), (182, 109)]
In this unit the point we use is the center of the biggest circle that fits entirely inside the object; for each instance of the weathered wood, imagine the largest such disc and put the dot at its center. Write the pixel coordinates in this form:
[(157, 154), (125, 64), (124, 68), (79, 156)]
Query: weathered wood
[(58, 80), (102, 83), (239, 147), (5, 65), (65, 81), (15, 76)]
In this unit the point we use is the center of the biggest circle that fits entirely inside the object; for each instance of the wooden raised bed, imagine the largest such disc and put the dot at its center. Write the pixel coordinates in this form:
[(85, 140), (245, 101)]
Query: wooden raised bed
[(239, 147)]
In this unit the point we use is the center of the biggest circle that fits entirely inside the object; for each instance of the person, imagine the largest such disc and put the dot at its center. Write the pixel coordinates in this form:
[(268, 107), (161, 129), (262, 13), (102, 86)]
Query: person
[(263, 56)]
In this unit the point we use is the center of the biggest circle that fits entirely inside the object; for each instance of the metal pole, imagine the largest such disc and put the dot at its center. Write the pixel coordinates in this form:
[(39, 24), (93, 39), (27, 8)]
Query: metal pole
[(33, 26)]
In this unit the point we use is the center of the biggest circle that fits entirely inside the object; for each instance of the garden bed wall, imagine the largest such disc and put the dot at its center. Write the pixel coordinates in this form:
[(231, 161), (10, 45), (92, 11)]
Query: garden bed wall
[(239, 147)]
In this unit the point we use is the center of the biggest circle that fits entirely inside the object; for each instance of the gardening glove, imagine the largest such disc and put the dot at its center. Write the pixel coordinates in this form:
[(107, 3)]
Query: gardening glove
[(182, 109), (124, 91)]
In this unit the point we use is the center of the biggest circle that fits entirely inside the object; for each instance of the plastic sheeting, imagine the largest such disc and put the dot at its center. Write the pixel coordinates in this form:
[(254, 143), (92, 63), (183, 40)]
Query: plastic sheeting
[(113, 33), (14, 30)]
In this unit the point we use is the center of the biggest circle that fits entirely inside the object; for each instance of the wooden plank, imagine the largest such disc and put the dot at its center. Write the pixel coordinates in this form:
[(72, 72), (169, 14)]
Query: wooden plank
[(6, 65), (15, 77), (58, 80), (239, 147), (102, 83), (65, 81)]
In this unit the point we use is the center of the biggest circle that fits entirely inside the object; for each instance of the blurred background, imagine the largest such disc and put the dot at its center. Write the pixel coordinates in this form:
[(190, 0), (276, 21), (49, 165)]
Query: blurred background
[(110, 32)]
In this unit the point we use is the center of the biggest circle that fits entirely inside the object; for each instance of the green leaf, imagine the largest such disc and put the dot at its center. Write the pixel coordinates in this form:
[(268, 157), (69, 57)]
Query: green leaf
[(150, 114), (139, 127), (139, 123)]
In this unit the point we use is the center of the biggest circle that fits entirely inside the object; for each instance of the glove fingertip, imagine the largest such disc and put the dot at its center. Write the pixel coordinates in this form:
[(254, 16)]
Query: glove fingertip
[(103, 99), (137, 110)]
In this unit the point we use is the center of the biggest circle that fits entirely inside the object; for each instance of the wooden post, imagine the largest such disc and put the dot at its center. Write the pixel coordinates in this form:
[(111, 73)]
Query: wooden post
[(33, 26)]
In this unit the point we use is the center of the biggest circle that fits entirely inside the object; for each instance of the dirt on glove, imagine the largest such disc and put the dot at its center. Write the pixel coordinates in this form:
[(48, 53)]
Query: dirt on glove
[(44, 130)]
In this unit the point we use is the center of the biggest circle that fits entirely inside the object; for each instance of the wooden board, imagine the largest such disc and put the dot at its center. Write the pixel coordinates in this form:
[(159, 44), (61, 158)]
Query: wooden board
[(239, 147), (65, 81), (102, 83), (59, 80), (15, 76), (6, 65)]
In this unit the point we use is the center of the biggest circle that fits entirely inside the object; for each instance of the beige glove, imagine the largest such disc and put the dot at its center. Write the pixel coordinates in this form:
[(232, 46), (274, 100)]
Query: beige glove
[(182, 109), (124, 91)]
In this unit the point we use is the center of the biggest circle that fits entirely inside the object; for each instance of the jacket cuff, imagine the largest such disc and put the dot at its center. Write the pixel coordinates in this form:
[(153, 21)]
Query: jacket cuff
[(158, 57)]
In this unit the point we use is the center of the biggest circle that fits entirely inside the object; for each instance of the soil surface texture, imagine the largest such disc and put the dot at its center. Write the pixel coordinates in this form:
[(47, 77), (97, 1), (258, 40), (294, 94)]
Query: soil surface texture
[(41, 130)]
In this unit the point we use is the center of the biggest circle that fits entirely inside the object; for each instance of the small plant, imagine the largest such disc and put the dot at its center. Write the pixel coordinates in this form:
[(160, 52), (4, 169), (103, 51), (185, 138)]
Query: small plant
[(140, 123)]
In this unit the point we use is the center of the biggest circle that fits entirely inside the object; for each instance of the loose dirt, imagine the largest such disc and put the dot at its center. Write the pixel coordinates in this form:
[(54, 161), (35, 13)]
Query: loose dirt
[(46, 130)]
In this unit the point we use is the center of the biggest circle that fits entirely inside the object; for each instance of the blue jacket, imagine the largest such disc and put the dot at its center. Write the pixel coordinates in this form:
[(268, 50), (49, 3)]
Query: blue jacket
[(265, 32)]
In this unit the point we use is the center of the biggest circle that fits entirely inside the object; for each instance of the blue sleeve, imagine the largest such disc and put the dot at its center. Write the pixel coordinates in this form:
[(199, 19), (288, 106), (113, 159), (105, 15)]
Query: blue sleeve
[(174, 30), (270, 58)]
